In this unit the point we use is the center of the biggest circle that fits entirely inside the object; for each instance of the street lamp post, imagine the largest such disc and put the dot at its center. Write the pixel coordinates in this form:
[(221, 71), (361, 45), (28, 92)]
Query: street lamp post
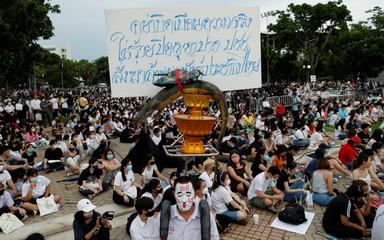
[(307, 68), (267, 15), (61, 75)]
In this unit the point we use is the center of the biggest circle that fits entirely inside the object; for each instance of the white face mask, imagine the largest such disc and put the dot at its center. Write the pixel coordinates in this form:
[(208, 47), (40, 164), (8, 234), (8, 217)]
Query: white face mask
[(1, 168), (185, 195), (205, 191)]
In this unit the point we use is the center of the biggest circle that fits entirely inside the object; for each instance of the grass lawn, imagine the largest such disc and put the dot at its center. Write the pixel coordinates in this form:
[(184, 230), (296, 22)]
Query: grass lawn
[(376, 125)]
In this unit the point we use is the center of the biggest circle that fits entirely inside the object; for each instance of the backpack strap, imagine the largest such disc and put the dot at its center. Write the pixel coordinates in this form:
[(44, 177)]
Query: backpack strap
[(165, 216), (205, 220)]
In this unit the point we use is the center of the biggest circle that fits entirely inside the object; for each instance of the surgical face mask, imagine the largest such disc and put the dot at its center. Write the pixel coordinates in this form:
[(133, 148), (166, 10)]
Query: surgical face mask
[(172, 182), (205, 191), (185, 195), (30, 150), (1, 168), (110, 157), (88, 214), (267, 157), (129, 167)]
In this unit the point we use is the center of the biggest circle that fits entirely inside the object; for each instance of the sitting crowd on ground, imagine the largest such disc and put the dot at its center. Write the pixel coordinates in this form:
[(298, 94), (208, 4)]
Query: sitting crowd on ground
[(259, 165)]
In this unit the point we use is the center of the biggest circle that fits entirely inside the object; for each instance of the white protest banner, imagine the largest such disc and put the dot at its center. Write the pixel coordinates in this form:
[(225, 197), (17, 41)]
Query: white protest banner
[(222, 41)]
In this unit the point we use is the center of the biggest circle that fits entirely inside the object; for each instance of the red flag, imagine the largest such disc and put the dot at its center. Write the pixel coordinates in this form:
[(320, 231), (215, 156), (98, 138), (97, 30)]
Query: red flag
[(177, 74)]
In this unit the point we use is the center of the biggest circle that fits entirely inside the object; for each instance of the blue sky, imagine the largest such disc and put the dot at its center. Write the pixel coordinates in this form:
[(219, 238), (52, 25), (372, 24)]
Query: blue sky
[(81, 23)]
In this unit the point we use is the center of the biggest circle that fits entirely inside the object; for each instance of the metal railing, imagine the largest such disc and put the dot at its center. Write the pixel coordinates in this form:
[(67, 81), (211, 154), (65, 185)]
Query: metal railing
[(360, 95)]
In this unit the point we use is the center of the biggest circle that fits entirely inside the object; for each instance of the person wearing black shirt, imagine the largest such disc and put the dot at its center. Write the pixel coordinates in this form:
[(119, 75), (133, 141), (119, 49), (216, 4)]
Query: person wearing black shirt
[(259, 164), (89, 224), (293, 188), (226, 148), (53, 153), (340, 213), (90, 183), (364, 133), (29, 154)]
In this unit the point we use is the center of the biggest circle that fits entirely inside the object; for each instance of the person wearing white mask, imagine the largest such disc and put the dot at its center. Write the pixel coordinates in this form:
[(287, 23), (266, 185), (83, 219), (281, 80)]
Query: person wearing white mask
[(222, 198), (9, 108), (5, 177), (185, 217), (53, 157)]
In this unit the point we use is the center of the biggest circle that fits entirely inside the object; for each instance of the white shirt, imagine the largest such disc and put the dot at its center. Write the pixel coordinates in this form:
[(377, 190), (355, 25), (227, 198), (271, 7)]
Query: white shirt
[(259, 183), (6, 200), (37, 191), (19, 106), (123, 185), (9, 108), (5, 177), (207, 179), (156, 139), (141, 231), (64, 103), (35, 104), (191, 230), (260, 124), (148, 174), (158, 199), (55, 103), (378, 223), (220, 199), (316, 138), (299, 135)]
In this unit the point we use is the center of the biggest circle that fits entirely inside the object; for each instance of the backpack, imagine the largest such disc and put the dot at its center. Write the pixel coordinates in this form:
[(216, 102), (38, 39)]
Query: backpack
[(293, 213), (129, 222), (165, 216)]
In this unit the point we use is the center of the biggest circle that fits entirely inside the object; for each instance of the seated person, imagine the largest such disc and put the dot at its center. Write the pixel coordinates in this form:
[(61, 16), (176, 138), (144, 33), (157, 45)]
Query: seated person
[(322, 183), (293, 188), (125, 189), (226, 148), (150, 170), (145, 225), (53, 157), (208, 175), (110, 166), (89, 224), (362, 169), (90, 181), (237, 170), (6, 180), (337, 219), (260, 163), (7, 205), (377, 228), (318, 137), (71, 160), (300, 138), (197, 167), (222, 200), (258, 194), (153, 191), (35, 187), (29, 154)]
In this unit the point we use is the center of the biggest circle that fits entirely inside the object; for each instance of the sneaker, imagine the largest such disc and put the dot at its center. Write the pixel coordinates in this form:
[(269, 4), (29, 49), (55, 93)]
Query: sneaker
[(273, 209)]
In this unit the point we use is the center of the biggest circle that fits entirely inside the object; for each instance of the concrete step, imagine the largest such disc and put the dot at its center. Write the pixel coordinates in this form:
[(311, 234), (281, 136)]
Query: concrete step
[(61, 227)]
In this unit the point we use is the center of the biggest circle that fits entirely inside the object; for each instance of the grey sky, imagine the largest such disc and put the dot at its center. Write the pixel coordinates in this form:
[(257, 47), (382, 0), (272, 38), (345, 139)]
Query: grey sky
[(81, 23)]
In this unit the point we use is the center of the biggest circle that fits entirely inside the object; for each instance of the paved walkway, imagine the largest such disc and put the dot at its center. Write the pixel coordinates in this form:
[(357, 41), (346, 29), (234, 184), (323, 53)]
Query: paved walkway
[(71, 197)]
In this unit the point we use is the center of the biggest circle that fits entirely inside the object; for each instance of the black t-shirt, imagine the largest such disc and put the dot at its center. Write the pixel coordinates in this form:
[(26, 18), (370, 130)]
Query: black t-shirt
[(255, 166), (81, 229), (225, 148), (254, 145), (337, 207), (56, 154), (282, 179), (89, 177), (363, 136), (30, 158)]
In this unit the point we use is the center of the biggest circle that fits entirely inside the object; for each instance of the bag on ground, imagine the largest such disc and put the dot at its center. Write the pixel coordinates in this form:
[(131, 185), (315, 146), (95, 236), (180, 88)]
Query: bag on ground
[(293, 214)]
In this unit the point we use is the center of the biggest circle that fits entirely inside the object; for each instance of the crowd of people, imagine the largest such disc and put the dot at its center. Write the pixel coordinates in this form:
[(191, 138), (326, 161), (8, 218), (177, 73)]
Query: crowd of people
[(258, 164)]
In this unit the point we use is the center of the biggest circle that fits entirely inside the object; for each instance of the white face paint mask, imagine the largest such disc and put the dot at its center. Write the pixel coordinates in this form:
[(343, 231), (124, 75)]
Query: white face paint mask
[(185, 195)]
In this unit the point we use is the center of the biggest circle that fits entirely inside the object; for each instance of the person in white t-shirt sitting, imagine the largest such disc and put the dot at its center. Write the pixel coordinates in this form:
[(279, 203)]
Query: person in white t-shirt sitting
[(208, 175), (36, 187), (156, 138), (150, 170), (8, 205), (222, 200), (154, 191), (258, 194), (125, 189)]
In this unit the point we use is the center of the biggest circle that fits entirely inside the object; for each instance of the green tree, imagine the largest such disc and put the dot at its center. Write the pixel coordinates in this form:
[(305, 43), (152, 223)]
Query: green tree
[(305, 31), (102, 70), (22, 23)]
